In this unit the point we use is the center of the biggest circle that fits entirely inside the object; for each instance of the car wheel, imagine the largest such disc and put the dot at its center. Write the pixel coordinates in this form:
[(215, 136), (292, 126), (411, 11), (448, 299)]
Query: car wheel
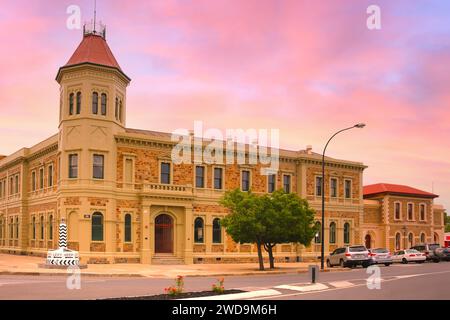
[(387, 264), (404, 261), (365, 264), (342, 263), (329, 264), (435, 260)]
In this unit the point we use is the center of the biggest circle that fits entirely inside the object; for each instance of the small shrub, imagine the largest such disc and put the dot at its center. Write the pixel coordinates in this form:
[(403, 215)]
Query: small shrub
[(219, 287), (177, 289)]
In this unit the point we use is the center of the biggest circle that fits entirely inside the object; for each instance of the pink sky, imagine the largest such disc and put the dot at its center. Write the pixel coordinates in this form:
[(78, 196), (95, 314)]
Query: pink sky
[(308, 68)]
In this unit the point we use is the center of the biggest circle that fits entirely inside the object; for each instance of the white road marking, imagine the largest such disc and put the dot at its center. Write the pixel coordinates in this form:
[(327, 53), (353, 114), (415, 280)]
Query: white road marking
[(312, 287), (242, 295), (341, 284)]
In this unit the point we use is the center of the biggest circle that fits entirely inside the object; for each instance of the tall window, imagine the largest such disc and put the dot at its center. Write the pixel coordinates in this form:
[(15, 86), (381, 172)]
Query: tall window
[(245, 175), (333, 232), (73, 166), (318, 236), (120, 110), (78, 102), (94, 102), (347, 233), (42, 227), (333, 187), (116, 113), (287, 183), (103, 109), (11, 185), (318, 186), (11, 228), (198, 230), (128, 170), (41, 178), (410, 211), (422, 238), (397, 210), (17, 228), (16, 184), (200, 176), (218, 178), (50, 176), (98, 166), (33, 226), (410, 240), (271, 182), (71, 98), (397, 241), (217, 231), (422, 212), (97, 227), (50, 227), (165, 172), (348, 189), (127, 227)]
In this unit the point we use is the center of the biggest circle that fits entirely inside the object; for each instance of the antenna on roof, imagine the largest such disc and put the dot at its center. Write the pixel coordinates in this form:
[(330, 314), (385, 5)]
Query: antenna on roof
[(95, 13)]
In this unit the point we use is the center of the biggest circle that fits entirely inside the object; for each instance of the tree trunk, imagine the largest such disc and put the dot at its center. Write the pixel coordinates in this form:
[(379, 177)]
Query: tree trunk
[(260, 257), (268, 247)]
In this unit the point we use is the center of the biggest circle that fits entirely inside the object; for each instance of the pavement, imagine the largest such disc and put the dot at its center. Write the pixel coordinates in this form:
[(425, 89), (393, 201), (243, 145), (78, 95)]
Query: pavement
[(397, 282), (27, 265)]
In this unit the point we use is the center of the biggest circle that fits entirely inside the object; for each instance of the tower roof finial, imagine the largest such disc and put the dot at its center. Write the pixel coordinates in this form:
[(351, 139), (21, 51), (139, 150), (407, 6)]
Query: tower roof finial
[(92, 28)]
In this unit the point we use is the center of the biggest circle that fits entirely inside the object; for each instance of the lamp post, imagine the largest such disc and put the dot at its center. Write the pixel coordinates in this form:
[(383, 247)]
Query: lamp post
[(322, 256)]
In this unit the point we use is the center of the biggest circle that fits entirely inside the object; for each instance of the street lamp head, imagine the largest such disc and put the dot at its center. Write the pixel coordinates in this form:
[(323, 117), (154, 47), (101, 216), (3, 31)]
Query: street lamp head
[(360, 125)]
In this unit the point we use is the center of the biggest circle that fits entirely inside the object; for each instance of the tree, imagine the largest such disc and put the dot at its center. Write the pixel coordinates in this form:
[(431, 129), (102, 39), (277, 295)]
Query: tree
[(268, 220), (287, 219), (243, 224)]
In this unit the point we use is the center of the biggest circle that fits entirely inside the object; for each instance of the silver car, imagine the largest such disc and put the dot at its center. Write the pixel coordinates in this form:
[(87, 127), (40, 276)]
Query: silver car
[(350, 256), (380, 256)]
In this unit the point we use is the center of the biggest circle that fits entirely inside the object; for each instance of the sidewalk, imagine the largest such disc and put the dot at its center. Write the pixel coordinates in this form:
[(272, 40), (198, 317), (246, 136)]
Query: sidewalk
[(26, 265)]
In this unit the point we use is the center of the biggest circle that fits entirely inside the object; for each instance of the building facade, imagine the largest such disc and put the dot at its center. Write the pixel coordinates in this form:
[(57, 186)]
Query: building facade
[(125, 201)]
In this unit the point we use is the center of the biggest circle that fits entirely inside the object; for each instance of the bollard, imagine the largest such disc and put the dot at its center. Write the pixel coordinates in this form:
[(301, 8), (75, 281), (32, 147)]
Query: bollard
[(314, 273)]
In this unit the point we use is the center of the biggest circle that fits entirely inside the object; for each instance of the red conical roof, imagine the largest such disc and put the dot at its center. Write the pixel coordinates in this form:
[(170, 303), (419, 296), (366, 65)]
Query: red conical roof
[(94, 49)]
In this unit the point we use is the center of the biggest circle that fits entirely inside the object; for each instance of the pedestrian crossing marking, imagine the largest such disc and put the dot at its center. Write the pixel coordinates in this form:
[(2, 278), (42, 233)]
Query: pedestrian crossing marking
[(341, 284), (312, 287)]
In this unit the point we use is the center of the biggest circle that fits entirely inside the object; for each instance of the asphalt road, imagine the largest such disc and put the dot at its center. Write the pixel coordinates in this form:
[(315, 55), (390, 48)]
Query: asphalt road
[(412, 281)]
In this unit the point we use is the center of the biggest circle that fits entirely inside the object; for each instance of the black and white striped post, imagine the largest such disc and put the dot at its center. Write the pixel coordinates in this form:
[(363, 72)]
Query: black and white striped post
[(62, 235)]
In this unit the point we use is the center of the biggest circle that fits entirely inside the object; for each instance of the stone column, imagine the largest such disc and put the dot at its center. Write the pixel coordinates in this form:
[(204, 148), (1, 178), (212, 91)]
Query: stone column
[(145, 236), (189, 234)]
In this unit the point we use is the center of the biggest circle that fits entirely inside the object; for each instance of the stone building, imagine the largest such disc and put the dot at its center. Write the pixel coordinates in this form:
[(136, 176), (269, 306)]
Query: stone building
[(126, 201)]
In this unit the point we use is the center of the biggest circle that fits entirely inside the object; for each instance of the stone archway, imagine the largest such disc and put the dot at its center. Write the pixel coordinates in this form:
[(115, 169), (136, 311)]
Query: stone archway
[(164, 234)]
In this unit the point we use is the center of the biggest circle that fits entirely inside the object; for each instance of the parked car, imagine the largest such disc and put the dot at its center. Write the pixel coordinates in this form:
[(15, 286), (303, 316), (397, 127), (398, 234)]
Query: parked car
[(443, 254), (409, 255), (428, 249), (350, 256), (380, 256)]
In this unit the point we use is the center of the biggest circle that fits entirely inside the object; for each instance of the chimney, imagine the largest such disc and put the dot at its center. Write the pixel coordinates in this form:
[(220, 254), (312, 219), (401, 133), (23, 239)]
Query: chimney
[(309, 149)]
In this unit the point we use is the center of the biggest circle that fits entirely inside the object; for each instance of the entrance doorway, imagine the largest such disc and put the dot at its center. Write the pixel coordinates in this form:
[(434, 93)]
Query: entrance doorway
[(163, 234), (368, 241)]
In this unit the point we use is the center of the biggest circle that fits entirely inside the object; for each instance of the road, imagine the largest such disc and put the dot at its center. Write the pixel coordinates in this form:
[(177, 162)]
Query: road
[(412, 281)]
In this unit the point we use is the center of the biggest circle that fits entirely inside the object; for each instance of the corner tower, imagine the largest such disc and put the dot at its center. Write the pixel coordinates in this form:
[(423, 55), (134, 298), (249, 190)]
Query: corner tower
[(92, 111)]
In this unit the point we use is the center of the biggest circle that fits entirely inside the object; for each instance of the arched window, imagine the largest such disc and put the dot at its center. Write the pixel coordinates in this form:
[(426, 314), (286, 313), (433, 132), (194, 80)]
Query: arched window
[(127, 228), (217, 231), (198, 230), (73, 226), (397, 241), (333, 232), (42, 228), (347, 233), (71, 98), (94, 102), (78, 102), (318, 236), (410, 239), (436, 238), (17, 228), (422, 237), (97, 227), (50, 227), (11, 228), (103, 109), (422, 212), (33, 226), (120, 110)]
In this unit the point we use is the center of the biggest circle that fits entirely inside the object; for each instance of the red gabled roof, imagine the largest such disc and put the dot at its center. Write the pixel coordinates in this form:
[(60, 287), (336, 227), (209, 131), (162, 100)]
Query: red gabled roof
[(94, 49), (398, 189)]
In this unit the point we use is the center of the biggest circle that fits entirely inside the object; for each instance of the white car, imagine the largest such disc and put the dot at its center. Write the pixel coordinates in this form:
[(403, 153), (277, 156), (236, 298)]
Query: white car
[(409, 255)]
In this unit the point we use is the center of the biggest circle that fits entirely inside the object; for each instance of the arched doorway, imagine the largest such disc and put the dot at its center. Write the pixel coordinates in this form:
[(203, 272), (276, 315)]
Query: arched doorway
[(368, 241), (163, 234), (436, 238)]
